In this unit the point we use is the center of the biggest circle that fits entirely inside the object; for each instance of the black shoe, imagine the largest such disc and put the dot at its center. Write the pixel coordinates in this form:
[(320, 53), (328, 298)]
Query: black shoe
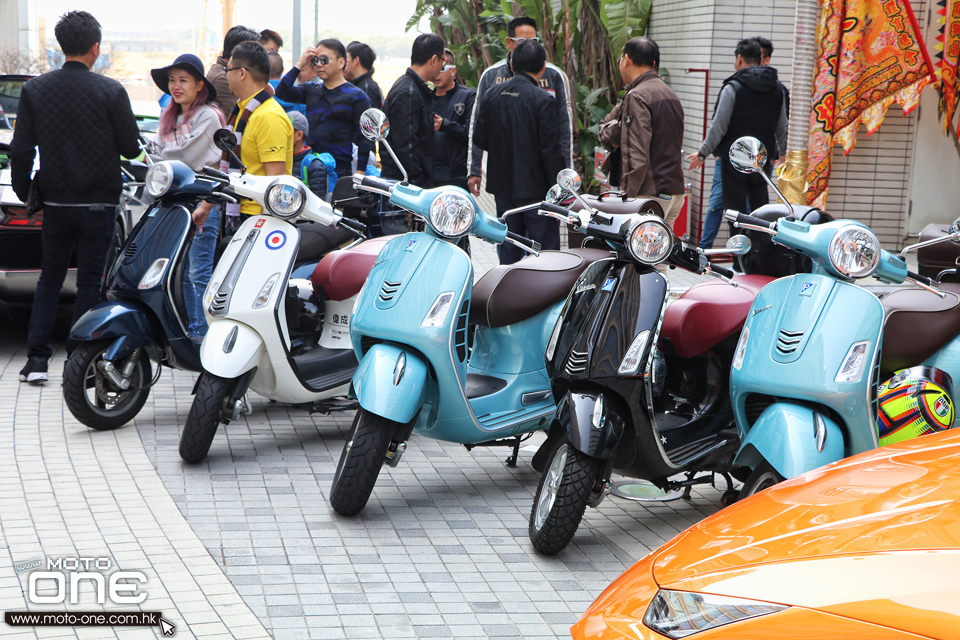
[(35, 371)]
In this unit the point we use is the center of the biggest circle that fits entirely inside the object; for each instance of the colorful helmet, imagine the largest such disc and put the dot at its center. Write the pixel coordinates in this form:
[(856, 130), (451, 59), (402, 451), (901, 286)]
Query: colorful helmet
[(915, 402)]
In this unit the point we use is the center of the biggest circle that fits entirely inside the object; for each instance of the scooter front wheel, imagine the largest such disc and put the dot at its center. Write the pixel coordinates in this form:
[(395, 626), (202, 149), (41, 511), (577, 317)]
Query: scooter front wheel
[(363, 456), (91, 395), (561, 498), (206, 414), (763, 477)]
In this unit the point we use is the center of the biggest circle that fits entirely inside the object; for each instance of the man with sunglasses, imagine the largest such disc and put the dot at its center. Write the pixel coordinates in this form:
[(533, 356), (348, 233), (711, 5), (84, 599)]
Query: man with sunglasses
[(451, 122), (333, 105), (554, 81)]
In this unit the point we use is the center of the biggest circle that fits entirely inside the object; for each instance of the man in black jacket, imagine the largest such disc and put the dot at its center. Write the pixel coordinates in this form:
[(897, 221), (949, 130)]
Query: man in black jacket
[(409, 108), (81, 122), (359, 72), (518, 126), (451, 120)]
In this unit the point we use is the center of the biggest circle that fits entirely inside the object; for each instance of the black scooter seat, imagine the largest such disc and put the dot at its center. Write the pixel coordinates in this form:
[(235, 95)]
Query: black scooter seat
[(321, 368), (918, 324), (514, 292)]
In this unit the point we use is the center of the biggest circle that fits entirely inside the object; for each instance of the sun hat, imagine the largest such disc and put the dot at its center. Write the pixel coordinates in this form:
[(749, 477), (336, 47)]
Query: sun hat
[(189, 63), (299, 122)]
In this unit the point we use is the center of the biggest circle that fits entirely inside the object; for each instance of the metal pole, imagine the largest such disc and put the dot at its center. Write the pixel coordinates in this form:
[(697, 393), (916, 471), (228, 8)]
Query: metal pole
[(793, 178), (316, 22), (296, 30)]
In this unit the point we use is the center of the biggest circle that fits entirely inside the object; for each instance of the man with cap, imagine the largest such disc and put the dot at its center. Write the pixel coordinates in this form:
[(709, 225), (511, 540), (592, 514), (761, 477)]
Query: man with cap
[(307, 165)]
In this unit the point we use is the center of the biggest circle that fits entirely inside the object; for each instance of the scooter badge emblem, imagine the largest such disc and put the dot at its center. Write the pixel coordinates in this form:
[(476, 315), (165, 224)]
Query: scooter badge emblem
[(411, 245), (276, 240), (756, 311), (608, 284), (807, 288), (585, 287), (259, 223)]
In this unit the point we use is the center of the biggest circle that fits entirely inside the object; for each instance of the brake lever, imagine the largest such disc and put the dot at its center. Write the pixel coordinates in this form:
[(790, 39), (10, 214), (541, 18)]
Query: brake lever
[(710, 272), (932, 290)]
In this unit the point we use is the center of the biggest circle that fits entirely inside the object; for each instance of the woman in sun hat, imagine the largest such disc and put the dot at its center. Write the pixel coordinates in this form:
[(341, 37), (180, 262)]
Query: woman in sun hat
[(187, 125)]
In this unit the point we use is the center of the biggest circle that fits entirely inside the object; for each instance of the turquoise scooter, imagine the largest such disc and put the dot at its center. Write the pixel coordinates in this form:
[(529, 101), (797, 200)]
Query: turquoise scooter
[(440, 356), (806, 370)]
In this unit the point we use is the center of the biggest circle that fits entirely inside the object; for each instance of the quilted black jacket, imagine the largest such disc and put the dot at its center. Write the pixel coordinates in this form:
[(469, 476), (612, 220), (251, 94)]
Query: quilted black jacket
[(409, 108), (82, 122)]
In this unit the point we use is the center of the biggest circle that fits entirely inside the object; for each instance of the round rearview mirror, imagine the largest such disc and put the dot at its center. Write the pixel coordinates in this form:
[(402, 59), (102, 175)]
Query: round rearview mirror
[(569, 179), (374, 124), (748, 155), (739, 244), (225, 140), (558, 195)]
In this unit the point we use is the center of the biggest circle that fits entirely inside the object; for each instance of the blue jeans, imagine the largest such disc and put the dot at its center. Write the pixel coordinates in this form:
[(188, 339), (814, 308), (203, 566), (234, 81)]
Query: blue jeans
[(198, 272), (88, 230), (714, 216), (711, 221)]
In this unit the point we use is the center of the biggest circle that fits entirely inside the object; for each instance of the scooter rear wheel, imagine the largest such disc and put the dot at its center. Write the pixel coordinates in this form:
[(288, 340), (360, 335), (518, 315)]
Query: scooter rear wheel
[(763, 477), (206, 414), (561, 498), (363, 456), (91, 396)]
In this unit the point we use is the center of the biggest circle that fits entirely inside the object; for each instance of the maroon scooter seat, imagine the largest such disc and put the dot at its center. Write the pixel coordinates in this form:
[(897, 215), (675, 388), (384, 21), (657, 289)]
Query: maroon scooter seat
[(341, 274), (710, 312)]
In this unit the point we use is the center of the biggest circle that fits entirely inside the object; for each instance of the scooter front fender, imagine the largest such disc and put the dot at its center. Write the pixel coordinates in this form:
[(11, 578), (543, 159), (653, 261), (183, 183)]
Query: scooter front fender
[(786, 435), (230, 349), (118, 319), (389, 388), (597, 437)]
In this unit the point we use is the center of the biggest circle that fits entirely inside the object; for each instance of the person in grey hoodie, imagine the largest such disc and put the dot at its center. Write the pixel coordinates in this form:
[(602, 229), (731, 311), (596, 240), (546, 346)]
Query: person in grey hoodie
[(751, 103)]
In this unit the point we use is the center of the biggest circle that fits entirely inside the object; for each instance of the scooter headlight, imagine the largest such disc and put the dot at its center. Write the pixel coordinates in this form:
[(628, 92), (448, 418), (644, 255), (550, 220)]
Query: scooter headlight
[(154, 274), (650, 240), (679, 614), (854, 251), (159, 179), (631, 361), (452, 214), (286, 199)]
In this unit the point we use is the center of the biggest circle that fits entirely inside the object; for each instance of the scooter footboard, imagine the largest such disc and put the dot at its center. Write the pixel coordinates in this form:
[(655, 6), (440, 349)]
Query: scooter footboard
[(230, 349), (391, 382), (794, 439), (592, 425)]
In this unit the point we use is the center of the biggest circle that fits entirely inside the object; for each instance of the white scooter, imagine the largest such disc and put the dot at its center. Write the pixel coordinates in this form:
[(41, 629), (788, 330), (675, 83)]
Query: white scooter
[(287, 340)]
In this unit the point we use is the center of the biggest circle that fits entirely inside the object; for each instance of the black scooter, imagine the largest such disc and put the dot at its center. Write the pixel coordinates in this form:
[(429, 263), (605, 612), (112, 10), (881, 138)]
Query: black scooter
[(108, 376)]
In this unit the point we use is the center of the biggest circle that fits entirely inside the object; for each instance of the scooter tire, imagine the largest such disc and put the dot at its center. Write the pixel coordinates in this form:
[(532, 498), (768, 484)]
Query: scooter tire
[(763, 477), (360, 462), (106, 408), (206, 414), (562, 497)]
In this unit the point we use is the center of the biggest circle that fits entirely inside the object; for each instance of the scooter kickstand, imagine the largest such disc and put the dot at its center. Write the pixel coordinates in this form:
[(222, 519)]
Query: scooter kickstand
[(512, 459)]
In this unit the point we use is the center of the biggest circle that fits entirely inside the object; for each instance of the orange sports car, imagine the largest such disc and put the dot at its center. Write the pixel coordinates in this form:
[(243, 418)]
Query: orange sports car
[(868, 547)]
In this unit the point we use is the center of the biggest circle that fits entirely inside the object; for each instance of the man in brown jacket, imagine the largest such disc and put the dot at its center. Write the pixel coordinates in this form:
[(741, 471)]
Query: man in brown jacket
[(647, 127)]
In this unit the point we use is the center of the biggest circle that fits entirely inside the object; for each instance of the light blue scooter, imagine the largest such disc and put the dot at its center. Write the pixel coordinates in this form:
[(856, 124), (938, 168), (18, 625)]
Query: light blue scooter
[(805, 373), (439, 356)]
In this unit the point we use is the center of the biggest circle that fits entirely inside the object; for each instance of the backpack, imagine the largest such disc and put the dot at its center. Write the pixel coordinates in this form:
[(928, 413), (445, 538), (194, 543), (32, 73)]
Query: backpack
[(327, 161)]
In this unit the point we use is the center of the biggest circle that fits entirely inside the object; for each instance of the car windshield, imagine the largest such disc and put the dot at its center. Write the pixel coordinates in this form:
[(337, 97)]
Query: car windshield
[(10, 87)]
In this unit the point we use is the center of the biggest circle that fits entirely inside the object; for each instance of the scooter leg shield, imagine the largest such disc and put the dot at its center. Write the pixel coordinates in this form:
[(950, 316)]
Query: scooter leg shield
[(230, 349), (591, 423), (794, 439), (390, 382)]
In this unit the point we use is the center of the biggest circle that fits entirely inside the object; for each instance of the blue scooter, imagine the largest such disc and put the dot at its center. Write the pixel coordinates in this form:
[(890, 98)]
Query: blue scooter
[(440, 356), (806, 370)]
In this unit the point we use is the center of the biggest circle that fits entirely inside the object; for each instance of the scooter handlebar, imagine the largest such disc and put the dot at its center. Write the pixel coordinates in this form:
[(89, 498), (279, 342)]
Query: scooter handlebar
[(354, 225), (374, 184), (746, 220), (723, 271), (528, 245)]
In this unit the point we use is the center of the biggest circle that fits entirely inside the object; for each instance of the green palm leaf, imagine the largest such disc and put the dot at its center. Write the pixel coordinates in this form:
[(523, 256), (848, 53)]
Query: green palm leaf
[(624, 19)]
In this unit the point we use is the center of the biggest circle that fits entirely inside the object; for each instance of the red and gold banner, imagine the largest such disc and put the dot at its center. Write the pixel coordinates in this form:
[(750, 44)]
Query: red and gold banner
[(870, 55), (948, 42)]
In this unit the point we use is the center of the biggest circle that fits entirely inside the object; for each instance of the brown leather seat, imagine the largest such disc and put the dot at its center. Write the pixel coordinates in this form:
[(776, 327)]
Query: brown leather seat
[(341, 274), (514, 292), (918, 324)]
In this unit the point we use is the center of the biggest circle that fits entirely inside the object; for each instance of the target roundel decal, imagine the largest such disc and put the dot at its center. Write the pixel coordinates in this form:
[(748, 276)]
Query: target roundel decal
[(276, 240)]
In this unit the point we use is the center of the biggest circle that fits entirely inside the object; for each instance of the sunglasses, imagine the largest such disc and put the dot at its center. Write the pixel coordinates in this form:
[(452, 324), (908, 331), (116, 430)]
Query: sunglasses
[(519, 40), (448, 67), (229, 69), (321, 61)]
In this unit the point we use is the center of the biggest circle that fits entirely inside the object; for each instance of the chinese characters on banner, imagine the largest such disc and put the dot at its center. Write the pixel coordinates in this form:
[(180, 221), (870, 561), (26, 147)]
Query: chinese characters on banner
[(869, 56), (948, 42)]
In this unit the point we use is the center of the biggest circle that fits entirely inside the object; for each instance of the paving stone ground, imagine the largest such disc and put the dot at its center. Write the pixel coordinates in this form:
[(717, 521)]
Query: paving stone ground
[(245, 545)]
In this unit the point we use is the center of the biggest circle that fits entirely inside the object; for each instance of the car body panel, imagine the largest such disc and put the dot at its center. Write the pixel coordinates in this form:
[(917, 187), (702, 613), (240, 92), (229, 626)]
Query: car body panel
[(867, 547)]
